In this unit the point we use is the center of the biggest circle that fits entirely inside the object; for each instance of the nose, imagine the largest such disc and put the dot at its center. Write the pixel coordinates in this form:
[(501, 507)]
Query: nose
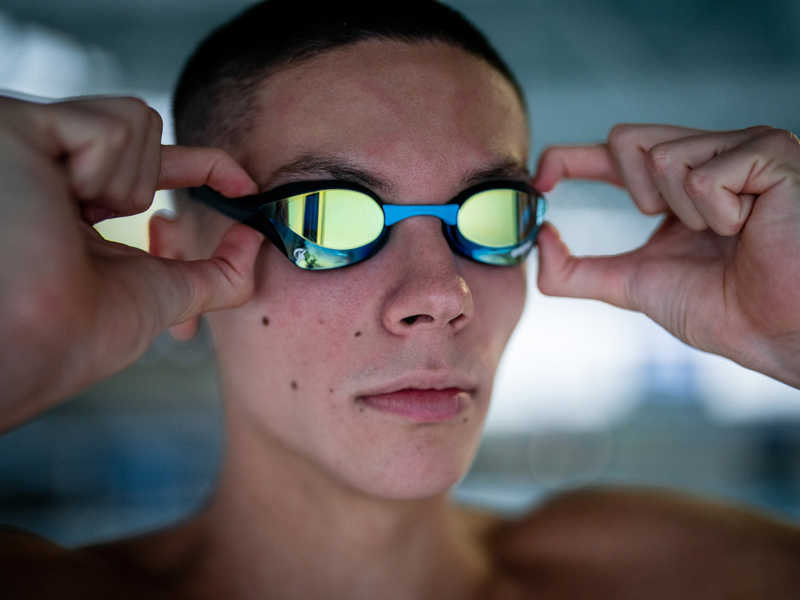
[(428, 292)]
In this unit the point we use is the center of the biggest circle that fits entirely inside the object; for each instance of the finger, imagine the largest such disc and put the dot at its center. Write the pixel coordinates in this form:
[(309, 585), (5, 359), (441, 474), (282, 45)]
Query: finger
[(725, 188), (89, 142), (223, 281), (137, 118), (184, 166), (575, 162), (629, 145), (599, 278), (670, 163), (668, 173), (101, 142), (143, 150), (142, 190)]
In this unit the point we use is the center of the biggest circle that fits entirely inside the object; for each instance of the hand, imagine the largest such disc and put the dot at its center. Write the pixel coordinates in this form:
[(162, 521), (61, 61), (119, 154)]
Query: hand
[(722, 273), (75, 308)]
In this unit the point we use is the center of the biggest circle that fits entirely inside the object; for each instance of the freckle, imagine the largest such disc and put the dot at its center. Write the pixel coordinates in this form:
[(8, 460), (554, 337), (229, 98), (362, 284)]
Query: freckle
[(321, 322), (358, 333), (466, 419), (294, 385), (265, 320), (361, 409), (331, 390)]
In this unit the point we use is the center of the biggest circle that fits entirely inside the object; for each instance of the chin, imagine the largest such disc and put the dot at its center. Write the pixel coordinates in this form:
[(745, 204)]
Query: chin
[(417, 469)]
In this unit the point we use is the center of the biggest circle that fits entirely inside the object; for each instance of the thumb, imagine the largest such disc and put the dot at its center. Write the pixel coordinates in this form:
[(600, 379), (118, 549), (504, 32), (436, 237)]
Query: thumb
[(603, 278), (226, 280)]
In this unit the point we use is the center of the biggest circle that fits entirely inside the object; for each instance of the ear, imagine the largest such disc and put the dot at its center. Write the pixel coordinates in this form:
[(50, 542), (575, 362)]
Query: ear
[(167, 240)]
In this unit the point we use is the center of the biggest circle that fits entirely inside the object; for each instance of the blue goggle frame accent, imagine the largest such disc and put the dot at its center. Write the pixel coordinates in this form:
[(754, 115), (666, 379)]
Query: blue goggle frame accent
[(257, 211)]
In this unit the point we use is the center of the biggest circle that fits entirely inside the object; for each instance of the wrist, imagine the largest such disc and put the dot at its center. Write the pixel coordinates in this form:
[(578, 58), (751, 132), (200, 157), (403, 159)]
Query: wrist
[(775, 356)]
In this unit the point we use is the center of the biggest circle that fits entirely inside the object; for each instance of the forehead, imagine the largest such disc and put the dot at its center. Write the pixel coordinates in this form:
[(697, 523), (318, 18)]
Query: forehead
[(417, 115)]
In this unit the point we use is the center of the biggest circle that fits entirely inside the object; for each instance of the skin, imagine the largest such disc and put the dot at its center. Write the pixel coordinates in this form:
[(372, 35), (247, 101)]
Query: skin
[(310, 433), (319, 498)]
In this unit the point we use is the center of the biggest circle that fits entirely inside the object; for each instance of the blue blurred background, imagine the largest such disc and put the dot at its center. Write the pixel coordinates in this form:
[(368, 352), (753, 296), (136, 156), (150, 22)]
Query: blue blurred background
[(586, 393)]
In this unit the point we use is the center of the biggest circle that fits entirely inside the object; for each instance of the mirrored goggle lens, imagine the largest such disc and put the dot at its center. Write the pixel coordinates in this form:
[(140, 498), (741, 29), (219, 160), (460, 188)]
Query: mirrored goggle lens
[(498, 218), (336, 219)]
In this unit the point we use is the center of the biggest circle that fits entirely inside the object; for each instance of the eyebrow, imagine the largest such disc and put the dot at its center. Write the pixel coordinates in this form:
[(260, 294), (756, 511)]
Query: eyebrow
[(508, 169), (334, 167)]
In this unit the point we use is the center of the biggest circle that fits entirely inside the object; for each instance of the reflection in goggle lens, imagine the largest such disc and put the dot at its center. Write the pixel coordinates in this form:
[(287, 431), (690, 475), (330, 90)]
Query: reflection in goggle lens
[(497, 218), (336, 219)]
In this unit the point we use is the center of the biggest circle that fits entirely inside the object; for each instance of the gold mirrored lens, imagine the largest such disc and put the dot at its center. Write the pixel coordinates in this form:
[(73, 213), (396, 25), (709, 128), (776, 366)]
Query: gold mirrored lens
[(336, 219), (497, 218)]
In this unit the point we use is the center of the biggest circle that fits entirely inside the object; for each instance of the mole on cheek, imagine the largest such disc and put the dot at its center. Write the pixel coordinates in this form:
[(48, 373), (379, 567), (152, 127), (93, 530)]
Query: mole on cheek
[(358, 333), (265, 320), (294, 385)]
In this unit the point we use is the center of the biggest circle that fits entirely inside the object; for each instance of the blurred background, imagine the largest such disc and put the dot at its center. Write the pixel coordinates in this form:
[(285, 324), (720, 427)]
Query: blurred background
[(586, 393)]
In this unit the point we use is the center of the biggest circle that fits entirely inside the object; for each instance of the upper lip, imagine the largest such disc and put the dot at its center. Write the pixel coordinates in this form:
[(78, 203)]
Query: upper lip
[(423, 380)]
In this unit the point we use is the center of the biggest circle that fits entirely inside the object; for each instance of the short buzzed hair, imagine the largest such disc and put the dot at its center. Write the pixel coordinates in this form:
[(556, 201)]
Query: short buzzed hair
[(217, 91)]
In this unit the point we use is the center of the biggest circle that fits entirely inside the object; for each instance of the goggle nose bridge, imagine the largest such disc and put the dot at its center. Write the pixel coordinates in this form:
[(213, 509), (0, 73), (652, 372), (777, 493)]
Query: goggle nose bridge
[(393, 213)]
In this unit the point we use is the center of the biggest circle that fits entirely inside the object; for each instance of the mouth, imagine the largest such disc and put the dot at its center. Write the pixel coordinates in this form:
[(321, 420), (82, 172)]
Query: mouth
[(421, 405)]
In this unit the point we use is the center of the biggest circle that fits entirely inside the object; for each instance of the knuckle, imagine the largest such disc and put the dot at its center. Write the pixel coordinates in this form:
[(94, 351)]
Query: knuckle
[(134, 112), (545, 282), (621, 135), (759, 129), (118, 132), (778, 138), (132, 106), (115, 197), (551, 153), (661, 159), (219, 156), (547, 286), (651, 205), (728, 228), (140, 197), (698, 184)]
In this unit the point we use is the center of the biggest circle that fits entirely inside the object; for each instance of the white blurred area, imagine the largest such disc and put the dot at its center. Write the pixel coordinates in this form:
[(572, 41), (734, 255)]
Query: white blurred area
[(41, 64), (37, 61), (571, 364)]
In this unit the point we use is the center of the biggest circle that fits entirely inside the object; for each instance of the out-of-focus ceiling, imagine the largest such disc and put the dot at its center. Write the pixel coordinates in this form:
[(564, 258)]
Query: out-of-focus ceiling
[(550, 41)]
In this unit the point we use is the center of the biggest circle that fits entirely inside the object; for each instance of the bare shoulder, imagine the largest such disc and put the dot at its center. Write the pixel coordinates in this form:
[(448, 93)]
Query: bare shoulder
[(614, 543), (164, 556), (33, 567)]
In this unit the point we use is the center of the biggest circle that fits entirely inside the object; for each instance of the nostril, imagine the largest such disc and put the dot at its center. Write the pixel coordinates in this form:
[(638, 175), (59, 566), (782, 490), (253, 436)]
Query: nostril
[(417, 318), (458, 318)]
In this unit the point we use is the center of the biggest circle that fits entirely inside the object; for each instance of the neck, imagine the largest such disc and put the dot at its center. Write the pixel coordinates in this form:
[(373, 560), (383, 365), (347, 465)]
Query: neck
[(281, 527)]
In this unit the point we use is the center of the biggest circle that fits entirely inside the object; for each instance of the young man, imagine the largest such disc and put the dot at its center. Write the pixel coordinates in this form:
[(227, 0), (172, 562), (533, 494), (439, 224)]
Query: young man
[(355, 396)]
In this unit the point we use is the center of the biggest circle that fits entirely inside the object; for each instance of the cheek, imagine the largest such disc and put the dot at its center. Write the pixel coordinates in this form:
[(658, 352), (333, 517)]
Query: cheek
[(283, 354), (499, 294), (298, 322)]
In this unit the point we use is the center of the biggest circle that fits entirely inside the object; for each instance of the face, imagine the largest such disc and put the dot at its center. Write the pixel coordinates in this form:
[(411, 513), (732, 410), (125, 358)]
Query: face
[(378, 374)]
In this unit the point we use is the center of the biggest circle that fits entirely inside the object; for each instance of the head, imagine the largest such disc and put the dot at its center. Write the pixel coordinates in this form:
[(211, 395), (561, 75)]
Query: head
[(377, 375)]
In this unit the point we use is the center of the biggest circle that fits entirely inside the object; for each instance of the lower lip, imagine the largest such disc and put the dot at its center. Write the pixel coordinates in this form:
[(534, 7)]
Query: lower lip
[(426, 406)]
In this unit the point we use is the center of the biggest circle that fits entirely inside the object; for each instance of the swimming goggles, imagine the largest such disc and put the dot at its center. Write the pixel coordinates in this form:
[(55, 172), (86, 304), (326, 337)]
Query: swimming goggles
[(330, 224)]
